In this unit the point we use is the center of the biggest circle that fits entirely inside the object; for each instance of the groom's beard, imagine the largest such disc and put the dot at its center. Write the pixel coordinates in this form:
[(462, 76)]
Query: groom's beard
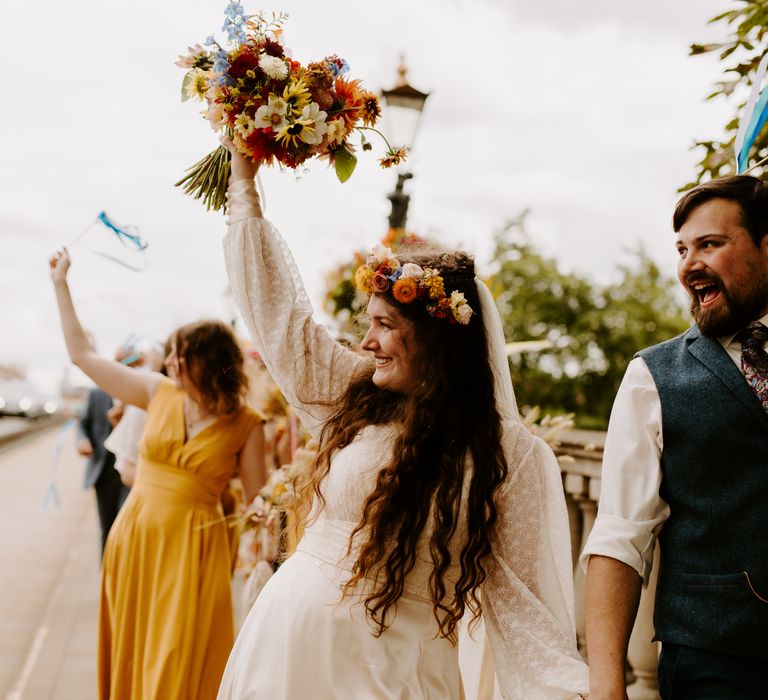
[(734, 310)]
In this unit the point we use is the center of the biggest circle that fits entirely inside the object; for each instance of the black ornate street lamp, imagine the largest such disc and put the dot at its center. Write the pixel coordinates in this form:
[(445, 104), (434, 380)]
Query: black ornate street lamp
[(404, 106)]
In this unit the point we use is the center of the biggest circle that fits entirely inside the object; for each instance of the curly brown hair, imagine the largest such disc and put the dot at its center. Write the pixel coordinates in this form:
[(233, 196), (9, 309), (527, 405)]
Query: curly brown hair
[(215, 364), (451, 432)]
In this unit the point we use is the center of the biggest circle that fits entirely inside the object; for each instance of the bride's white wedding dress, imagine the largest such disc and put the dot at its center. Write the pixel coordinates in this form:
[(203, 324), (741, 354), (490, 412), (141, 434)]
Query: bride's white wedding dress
[(302, 639)]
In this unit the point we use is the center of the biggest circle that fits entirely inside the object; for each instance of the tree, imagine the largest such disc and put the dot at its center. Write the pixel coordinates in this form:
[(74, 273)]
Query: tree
[(740, 54), (539, 302), (641, 309), (594, 330)]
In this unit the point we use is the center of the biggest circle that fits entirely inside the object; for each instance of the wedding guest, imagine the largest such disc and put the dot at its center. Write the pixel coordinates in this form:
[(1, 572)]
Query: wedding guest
[(429, 499), (165, 613), (125, 438), (100, 474)]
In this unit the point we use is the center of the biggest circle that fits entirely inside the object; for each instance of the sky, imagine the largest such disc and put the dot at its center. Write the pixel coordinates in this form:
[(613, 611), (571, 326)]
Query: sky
[(584, 113)]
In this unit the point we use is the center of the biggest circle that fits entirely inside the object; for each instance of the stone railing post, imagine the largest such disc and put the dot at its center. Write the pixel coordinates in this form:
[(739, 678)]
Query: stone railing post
[(581, 483), (579, 487)]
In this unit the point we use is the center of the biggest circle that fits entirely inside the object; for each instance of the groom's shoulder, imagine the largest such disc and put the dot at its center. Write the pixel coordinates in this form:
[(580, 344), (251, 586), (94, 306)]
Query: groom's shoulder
[(670, 347)]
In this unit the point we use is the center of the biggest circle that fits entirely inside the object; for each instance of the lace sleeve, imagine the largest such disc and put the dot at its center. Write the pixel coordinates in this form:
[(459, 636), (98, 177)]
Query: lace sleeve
[(307, 364), (528, 596)]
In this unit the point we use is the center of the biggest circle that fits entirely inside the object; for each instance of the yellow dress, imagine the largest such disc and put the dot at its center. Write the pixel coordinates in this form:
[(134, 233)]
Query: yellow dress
[(165, 614)]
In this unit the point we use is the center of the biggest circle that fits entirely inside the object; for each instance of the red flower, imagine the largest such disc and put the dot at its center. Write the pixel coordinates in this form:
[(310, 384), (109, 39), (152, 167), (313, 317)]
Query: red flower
[(242, 63), (262, 145), (272, 48)]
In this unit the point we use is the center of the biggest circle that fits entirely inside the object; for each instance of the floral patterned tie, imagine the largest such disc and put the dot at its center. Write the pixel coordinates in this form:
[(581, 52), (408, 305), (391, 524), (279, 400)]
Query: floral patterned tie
[(754, 360)]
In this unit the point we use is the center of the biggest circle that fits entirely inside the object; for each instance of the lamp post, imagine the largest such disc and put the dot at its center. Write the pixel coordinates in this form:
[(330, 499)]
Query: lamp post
[(404, 106)]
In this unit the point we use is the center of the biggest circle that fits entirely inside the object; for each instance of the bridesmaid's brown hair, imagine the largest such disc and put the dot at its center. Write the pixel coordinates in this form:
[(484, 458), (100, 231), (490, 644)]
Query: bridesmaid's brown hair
[(214, 363)]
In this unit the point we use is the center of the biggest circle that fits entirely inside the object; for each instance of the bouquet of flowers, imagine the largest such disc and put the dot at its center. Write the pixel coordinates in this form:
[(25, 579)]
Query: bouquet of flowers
[(262, 518), (274, 109)]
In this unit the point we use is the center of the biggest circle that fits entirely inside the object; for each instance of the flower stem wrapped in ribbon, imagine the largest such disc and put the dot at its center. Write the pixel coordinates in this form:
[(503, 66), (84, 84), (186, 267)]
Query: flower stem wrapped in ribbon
[(382, 273), (274, 109)]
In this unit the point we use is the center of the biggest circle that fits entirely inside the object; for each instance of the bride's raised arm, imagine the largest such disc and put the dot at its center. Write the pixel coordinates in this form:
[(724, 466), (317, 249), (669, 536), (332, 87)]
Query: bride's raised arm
[(310, 367)]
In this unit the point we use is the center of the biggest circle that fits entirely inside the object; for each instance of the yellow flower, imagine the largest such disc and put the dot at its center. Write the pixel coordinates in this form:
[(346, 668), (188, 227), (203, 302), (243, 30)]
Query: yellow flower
[(291, 133), (309, 127), (435, 287), (363, 279), (297, 95), (244, 125), (199, 82)]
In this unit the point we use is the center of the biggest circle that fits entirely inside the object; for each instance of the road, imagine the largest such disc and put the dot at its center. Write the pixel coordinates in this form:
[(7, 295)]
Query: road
[(49, 572)]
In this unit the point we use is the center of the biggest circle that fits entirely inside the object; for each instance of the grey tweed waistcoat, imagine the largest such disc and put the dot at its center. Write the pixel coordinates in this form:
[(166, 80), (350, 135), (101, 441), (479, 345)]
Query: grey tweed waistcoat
[(714, 547)]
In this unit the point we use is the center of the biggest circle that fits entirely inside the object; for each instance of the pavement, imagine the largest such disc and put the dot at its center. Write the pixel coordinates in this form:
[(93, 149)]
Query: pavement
[(49, 571)]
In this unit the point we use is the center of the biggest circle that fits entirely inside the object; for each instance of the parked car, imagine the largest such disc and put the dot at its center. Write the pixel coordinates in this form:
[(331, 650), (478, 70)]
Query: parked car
[(19, 397)]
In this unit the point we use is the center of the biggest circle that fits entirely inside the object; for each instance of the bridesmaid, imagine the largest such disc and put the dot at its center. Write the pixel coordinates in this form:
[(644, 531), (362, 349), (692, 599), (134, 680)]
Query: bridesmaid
[(165, 614)]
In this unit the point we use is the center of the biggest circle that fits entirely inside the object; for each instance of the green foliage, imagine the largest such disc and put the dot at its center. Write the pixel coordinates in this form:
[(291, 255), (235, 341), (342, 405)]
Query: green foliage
[(740, 55), (595, 330)]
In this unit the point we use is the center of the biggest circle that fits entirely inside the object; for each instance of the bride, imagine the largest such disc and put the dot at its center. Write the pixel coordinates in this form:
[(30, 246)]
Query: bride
[(429, 501)]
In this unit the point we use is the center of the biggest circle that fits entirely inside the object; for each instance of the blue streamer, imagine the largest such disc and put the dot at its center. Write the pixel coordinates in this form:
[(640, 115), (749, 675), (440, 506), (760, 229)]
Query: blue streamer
[(755, 124), (124, 235), (753, 118)]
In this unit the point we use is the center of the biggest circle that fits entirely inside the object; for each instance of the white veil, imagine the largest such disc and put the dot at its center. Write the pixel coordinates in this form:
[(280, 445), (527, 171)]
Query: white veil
[(497, 353), (478, 666)]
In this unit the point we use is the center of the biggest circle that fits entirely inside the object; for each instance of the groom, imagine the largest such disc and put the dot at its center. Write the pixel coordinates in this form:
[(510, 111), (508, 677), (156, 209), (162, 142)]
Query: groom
[(686, 459)]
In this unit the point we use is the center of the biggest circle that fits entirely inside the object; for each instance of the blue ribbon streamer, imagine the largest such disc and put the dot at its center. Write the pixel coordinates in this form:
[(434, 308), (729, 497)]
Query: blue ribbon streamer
[(756, 121), (123, 234), (753, 118)]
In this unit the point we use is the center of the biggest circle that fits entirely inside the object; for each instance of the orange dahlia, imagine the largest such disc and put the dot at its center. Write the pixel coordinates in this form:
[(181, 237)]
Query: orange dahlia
[(405, 290), (350, 99)]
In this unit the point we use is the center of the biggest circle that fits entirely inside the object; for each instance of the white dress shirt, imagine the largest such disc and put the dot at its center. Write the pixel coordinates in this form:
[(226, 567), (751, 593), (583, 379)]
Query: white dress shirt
[(631, 512)]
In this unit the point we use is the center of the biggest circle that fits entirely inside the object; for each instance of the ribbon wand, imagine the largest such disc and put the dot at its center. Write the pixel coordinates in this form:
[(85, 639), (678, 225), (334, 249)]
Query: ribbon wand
[(81, 234), (128, 236)]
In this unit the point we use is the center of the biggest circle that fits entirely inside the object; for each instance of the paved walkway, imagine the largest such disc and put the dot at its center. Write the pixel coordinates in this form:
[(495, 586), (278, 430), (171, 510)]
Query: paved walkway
[(49, 573)]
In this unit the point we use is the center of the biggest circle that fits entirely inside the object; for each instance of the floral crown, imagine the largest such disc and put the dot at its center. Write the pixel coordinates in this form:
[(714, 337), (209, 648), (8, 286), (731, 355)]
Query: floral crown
[(382, 273)]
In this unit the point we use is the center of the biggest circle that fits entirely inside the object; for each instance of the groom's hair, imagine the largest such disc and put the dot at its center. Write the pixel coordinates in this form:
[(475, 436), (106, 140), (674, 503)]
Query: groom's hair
[(750, 193)]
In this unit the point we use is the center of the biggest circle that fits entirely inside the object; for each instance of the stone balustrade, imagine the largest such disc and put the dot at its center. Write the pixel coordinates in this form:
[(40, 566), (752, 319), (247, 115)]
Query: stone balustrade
[(583, 454)]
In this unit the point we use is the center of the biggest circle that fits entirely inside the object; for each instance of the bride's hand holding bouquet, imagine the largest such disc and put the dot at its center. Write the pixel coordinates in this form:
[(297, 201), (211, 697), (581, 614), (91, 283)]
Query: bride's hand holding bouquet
[(271, 107)]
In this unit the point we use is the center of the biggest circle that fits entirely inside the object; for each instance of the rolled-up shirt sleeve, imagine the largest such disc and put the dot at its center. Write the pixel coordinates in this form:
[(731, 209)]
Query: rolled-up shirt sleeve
[(631, 512)]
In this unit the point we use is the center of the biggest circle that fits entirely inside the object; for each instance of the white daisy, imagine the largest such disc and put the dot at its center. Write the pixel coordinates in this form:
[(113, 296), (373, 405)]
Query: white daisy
[(314, 117), (244, 125), (272, 115), (276, 68)]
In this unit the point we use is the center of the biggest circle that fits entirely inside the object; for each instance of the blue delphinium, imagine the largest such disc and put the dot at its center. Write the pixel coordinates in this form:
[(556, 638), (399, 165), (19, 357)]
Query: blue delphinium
[(234, 23)]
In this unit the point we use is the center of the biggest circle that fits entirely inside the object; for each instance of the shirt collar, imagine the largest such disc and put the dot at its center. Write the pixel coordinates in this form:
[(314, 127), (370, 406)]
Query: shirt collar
[(726, 340)]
